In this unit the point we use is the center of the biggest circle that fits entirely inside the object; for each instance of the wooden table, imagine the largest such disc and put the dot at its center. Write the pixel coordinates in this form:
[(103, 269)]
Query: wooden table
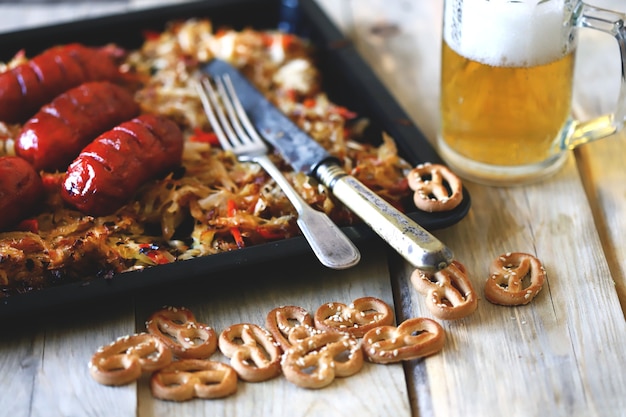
[(561, 355)]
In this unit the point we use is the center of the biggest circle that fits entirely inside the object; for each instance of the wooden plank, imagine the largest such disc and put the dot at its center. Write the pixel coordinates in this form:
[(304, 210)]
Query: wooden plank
[(601, 164), (49, 369), (43, 362), (22, 15), (245, 299), (561, 355), (60, 380), (552, 357), (20, 355), (402, 45), (560, 349)]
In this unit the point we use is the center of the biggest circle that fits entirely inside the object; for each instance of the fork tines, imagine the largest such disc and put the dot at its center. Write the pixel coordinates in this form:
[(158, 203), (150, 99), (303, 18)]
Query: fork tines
[(233, 127)]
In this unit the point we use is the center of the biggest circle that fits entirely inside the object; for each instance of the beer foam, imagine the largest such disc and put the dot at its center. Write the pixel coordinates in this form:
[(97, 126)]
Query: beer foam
[(503, 33)]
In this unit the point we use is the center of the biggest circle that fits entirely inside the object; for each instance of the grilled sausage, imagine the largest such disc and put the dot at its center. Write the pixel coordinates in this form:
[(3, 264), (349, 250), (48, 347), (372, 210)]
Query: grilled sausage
[(27, 87), (109, 170), (54, 136), (20, 190)]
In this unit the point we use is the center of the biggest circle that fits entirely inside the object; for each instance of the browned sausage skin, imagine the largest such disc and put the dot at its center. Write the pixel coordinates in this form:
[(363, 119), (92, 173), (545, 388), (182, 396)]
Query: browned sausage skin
[(27, 87), (54, 136), (109, 170), (20, 190)]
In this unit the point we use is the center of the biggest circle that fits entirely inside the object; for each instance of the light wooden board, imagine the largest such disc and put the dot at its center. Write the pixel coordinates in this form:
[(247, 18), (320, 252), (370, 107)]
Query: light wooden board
[(22, 15), (557, 355), (601, 164), (43, 362), (560, 350), (48, 362), (561, 355), (376, 387)]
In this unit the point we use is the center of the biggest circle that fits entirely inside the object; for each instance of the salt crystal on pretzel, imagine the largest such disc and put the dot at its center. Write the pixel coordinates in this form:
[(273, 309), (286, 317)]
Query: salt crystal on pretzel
[(124, 360), (194, 378), (414, 338), (178, 329), (435, 187), (357, 318), (282, 320), (514, 279), (252, 351), (318, 356), (449, 292)]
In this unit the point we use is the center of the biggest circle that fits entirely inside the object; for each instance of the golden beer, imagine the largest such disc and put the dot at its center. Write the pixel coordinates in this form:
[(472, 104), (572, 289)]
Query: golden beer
[(501, 115)]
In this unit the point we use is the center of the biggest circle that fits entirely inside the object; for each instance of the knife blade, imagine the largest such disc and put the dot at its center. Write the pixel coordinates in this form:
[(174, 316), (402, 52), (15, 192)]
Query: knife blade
[(420, 248)]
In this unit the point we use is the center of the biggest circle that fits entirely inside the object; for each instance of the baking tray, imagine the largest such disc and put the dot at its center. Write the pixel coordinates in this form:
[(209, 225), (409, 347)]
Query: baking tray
[(347, 79)]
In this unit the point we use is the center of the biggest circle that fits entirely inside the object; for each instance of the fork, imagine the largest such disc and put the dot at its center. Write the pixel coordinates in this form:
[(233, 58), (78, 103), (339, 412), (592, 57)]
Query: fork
[(236, 133)]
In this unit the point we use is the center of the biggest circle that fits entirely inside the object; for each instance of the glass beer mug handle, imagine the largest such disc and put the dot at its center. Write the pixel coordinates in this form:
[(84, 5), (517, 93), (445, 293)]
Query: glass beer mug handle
[(608, 124)]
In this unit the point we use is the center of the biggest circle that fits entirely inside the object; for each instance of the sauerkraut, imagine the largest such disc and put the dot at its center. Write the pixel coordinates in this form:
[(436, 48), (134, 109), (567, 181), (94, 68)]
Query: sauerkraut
[(213, 203)]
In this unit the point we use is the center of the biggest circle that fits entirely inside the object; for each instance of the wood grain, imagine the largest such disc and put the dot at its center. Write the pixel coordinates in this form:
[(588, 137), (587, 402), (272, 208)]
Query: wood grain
[(248, 300), (601, 164), (48, 360), (561, 355), (561, 348)]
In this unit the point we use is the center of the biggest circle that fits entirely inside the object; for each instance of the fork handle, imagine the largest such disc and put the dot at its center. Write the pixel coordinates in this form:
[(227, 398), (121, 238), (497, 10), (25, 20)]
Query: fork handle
[(331, 246)]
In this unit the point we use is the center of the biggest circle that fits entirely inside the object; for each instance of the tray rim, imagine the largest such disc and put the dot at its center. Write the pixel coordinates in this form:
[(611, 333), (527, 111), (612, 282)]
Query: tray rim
[(394, 119)]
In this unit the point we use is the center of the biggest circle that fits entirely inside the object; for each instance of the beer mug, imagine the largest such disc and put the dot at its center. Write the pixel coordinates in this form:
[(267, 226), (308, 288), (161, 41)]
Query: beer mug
[(506, 86)]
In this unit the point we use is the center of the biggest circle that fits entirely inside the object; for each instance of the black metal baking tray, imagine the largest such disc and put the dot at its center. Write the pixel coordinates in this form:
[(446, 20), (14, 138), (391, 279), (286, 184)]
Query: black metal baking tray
[(347, 79)]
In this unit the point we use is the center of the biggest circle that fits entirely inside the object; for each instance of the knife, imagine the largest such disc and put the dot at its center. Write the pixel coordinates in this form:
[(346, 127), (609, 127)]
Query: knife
[(420, 248)]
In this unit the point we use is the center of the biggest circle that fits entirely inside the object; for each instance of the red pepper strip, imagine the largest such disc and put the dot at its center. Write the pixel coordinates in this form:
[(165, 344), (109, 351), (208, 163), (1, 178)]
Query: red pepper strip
[(344, 112), (285, 39), (234, 231), (231, 208), (28, 225), (288, 40), (205, 137), (221, 32), (155, 255), (309, 103), (267, 39), (269, 234), (150, 35)]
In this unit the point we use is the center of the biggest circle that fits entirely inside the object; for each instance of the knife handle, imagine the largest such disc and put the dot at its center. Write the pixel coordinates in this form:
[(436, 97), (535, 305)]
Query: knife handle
[(408, 238)]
